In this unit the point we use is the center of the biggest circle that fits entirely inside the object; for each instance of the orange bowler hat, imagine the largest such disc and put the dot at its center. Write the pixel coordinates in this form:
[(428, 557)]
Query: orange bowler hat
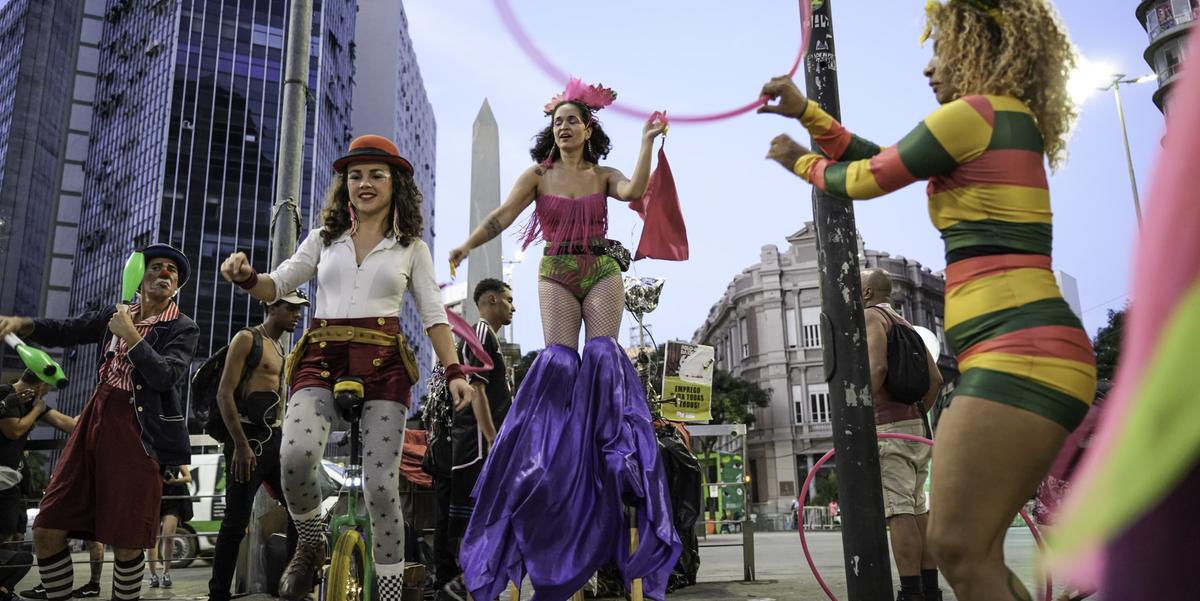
[(373, 148)]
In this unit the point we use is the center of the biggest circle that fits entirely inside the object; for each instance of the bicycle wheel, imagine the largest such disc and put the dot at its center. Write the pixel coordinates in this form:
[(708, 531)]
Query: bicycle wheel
[(347, 567)]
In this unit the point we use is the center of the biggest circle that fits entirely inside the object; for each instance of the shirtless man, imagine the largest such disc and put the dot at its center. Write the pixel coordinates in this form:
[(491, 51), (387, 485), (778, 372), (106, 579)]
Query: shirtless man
[(251, 403)]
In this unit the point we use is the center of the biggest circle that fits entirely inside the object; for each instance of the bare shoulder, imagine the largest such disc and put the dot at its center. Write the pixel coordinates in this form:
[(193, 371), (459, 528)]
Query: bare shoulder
[(874, 316), (240, 345), (609, 172), (242, 339), (529, 181)]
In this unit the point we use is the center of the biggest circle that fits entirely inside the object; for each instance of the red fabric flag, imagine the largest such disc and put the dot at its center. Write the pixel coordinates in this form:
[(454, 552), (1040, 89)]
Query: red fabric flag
[(664, 235)]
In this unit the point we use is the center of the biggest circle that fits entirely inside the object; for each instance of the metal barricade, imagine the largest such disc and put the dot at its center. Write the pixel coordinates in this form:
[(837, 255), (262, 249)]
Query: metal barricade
[(817, 518)]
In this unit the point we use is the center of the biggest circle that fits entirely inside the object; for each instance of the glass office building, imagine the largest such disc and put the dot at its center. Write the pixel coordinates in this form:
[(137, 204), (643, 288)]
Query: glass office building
[(184, 143), (37, 76)]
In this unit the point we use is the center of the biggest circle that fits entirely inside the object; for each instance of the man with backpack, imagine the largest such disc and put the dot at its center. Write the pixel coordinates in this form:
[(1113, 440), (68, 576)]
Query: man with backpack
[(244, 410), (904, 383)]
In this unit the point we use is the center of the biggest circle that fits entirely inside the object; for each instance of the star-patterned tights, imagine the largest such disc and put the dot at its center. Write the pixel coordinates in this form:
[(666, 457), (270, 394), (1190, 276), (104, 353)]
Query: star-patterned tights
[(306, 429)]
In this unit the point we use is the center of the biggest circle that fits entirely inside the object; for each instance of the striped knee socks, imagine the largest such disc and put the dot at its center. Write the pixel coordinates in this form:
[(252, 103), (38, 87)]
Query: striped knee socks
[(127, 578), (58, 575)]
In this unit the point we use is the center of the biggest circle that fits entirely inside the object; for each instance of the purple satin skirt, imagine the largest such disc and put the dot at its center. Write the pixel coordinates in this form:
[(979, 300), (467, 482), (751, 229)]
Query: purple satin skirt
[(576, 447)]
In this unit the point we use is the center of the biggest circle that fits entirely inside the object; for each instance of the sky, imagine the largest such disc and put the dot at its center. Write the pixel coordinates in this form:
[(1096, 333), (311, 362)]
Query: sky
[(689, 57)]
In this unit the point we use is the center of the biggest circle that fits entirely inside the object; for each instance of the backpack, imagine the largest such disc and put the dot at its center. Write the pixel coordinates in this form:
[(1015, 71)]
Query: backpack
[(207, 380), (908, 367)]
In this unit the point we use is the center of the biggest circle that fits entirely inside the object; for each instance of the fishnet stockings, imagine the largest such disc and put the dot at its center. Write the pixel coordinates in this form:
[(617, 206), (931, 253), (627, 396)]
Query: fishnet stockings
[(562, 313), (603, 308)]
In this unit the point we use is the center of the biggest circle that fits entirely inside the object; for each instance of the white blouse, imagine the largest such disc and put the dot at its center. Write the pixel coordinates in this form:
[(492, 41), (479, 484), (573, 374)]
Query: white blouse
[(376, 288)]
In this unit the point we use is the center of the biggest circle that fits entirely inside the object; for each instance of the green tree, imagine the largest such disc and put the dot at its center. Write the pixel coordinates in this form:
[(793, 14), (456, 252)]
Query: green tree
[(734, 399), (1108, 344), (827, 490)]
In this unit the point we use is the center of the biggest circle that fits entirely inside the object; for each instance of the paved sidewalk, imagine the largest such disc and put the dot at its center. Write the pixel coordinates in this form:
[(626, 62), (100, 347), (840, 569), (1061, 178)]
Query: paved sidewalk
[(781, 572)]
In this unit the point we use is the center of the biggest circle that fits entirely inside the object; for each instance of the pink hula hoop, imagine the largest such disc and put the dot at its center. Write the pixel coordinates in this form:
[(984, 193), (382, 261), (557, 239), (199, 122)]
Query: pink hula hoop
[(550, 69), (1037, 537)]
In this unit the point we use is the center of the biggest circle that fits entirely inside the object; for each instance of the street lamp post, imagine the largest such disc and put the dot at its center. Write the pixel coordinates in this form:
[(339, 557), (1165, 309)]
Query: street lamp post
[(1115, 86), (1089, 77), (508, 267)]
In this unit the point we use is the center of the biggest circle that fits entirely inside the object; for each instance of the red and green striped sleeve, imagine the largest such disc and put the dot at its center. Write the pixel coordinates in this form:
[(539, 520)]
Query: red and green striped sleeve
[(832, 137), (954, 134)]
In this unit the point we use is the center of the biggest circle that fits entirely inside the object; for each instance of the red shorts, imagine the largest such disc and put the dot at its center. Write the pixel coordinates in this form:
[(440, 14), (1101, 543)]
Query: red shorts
[(105, 488), (380, 367)]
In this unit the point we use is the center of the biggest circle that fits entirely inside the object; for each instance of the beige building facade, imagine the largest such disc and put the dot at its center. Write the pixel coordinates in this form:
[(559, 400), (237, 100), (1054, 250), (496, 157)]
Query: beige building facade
[(766, 329)]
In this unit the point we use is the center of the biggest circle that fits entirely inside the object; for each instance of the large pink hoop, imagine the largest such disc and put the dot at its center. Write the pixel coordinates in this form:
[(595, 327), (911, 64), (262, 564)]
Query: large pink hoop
[(550, 69), (1037, 536)]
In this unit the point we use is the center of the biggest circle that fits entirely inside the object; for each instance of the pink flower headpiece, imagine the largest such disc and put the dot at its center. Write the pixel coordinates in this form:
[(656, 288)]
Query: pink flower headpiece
[(594, 97)]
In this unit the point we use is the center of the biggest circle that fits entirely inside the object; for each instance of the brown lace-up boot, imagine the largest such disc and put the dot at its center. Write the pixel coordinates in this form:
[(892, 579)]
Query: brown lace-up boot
[(301, 572)]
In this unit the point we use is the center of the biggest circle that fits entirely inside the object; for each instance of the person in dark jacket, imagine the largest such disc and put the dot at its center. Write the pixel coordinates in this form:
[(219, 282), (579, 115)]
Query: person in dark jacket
[(133, 423)]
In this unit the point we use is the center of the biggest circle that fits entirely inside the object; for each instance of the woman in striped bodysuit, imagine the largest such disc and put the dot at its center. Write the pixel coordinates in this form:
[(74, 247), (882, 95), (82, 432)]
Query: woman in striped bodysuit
[(1028, 371)]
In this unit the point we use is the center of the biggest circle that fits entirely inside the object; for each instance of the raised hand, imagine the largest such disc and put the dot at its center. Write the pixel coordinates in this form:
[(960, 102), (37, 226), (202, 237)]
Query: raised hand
[(786, 151), (458, 255), (653, 128), (237, 268), (791, 100)]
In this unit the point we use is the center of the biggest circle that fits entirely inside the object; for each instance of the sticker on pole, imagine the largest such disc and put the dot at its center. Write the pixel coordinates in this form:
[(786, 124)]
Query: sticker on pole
[(687, 382)]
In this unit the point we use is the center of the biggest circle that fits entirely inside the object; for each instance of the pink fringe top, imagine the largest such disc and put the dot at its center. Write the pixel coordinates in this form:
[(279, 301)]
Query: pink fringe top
[(558, 220)]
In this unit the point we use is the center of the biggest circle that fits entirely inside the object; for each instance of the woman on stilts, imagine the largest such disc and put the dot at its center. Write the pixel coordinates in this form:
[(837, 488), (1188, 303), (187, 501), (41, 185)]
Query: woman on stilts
[(999, 70), (366, 255), (578, 444)]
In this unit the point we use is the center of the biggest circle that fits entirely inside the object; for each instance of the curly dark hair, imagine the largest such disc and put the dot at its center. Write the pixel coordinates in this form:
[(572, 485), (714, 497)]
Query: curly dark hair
[(545, 148), (405, 195)]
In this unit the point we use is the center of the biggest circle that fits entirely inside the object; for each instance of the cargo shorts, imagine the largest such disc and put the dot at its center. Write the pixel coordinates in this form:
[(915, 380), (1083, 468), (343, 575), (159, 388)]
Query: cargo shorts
[(904, 468)]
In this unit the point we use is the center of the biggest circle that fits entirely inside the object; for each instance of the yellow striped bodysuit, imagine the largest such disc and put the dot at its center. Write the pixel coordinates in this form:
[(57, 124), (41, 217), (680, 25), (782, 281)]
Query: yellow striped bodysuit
[(1016, 339)]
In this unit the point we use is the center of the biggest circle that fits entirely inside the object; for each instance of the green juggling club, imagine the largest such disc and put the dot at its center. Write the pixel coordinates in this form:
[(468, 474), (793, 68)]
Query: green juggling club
[(131, 279), (46, 368)]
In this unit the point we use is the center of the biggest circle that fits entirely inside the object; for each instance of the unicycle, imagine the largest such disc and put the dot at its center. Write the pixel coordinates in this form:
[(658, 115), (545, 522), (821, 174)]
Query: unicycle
[(350, 575)]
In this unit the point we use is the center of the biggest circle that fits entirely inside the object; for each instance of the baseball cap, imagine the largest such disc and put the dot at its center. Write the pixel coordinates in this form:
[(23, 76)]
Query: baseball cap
[(295, 297)]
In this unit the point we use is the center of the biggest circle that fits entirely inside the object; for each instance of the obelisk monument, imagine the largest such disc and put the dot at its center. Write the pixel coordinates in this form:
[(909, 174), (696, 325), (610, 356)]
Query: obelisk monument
[(485, 261)]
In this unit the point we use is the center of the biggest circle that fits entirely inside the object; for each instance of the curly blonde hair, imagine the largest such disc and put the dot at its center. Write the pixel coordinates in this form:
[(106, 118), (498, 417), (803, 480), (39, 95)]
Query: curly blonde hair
[(1025, 53)]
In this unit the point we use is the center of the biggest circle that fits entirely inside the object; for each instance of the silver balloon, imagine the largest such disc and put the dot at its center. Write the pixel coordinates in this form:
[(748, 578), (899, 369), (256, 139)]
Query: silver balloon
[(641, 294)]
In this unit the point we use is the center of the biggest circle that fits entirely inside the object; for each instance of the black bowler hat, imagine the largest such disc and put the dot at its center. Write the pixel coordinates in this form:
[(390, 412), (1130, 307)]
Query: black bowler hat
[(166, 251), (372, 148)]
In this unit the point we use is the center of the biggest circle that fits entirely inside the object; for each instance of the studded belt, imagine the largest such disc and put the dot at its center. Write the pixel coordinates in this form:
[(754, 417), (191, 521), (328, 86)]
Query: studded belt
[(351, 334)]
